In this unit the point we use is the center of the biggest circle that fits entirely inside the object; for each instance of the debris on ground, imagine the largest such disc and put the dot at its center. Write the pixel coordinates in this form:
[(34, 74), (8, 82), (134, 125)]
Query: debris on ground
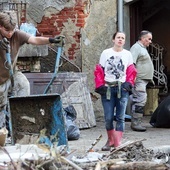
[(129, 156)]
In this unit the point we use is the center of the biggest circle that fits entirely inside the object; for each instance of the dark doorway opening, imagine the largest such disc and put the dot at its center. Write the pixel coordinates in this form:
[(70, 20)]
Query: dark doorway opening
[(153, 15)]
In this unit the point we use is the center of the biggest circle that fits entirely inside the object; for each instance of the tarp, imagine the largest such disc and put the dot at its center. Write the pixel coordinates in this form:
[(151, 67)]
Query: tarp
[(161, 116)]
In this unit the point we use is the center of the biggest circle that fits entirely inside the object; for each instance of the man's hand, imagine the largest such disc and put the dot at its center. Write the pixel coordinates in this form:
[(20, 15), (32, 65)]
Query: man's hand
[(57, 40), (4, 44)]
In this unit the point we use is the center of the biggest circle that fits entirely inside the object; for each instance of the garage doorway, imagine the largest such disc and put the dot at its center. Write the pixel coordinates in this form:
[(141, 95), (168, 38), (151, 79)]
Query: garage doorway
[(153, 15)]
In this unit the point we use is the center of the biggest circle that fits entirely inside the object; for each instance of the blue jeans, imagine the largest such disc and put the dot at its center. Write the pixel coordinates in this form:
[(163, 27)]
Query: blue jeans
[(115, 105)]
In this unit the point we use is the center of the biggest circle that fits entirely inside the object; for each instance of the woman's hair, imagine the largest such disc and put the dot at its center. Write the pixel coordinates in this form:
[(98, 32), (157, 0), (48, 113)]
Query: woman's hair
[(7, 20), (114, 35), (143, 33)]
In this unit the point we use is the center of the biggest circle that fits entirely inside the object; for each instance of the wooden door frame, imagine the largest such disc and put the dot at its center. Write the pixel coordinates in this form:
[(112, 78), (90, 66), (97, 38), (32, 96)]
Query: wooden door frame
[(135, 21)]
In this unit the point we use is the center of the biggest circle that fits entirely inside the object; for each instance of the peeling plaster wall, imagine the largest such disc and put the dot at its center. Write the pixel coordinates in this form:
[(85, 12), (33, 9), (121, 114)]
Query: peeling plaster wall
[(97, 36), (59, 17), (37, 9)]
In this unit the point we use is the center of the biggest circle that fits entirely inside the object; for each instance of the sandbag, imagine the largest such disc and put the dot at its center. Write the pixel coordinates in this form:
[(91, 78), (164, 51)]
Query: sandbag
[(161, 116)]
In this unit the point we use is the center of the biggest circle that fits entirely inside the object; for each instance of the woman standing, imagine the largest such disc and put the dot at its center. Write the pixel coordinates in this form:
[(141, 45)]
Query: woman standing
[(114, 78)]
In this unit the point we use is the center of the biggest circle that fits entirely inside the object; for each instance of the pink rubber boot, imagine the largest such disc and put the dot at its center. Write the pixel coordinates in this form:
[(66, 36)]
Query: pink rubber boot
[(117, 138), (110, 140)]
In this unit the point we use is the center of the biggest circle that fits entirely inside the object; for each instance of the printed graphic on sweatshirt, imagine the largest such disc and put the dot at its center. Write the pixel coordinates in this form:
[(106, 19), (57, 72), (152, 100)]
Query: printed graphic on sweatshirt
[(115, 67)]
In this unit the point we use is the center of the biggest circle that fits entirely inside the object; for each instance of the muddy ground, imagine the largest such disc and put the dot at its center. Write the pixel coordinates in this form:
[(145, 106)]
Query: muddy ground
[(155, 137), (77, 152)]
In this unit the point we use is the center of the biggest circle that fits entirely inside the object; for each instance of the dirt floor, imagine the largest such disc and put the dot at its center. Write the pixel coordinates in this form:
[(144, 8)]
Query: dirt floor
[(155, 137)]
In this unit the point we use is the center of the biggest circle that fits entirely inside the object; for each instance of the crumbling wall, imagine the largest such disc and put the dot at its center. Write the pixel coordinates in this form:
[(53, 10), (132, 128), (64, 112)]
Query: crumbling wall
[(65, 17), (51, 18)]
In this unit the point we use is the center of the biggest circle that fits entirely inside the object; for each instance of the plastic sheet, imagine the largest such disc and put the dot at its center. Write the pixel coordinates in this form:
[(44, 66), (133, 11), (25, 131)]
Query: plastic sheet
[(28, 28)]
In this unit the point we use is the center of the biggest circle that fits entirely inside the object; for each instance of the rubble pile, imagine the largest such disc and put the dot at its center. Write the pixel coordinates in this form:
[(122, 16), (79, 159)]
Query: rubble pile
[(129, 156), (137, 152)]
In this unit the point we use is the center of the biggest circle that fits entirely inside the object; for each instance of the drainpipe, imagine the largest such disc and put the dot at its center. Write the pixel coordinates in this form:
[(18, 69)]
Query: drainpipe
[(120, 15)]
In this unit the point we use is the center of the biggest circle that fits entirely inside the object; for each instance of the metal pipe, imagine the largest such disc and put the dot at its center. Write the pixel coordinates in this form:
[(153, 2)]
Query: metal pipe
[(55, 70), (120, 15)]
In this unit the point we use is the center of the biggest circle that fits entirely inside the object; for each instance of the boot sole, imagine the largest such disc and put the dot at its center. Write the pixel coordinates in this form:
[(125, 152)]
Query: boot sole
[(107, 148), (138, 130)]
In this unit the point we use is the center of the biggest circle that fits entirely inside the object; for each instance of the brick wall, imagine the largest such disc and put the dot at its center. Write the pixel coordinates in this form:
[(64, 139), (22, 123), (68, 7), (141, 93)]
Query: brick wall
[(58, 24), (67, 22)]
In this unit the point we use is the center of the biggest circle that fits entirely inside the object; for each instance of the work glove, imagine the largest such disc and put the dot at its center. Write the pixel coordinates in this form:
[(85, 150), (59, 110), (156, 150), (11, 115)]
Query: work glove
[(4, 44), (127, 86), (101, 90), (57, 39)]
